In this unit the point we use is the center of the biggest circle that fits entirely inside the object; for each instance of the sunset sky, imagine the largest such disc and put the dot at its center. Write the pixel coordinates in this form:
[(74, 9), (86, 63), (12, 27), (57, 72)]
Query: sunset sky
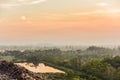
[(63, 22)]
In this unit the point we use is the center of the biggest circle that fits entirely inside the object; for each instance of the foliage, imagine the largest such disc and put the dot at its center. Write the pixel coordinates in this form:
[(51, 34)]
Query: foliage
[(93, 63)]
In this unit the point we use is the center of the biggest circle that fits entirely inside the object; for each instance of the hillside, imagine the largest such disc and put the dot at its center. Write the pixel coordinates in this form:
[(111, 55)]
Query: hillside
[(10, 71)]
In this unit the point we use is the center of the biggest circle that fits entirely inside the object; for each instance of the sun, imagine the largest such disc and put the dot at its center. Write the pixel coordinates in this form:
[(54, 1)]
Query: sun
[(23, 18)]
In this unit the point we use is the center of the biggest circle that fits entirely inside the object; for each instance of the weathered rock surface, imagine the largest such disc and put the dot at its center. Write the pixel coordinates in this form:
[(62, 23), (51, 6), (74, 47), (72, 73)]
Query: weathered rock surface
[(11, 71)]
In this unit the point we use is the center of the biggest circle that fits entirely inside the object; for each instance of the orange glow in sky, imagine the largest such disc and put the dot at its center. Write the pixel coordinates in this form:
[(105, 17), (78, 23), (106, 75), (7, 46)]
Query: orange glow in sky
[(60, 22)]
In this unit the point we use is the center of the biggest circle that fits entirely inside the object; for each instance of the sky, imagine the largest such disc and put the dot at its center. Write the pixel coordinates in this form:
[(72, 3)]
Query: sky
[(62, 22)]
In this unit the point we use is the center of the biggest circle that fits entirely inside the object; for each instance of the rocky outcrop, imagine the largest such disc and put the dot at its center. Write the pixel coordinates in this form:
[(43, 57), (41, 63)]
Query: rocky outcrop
[(11, 71)]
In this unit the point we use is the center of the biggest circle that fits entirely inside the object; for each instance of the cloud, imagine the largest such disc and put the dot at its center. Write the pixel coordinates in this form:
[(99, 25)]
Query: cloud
[(13, 3), (108, 12), (37, 1), (102, 4), (30, 2), (7, 5)]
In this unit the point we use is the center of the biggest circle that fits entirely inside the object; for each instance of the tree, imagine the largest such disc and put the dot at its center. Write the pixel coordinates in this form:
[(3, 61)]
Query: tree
[(96, 68)]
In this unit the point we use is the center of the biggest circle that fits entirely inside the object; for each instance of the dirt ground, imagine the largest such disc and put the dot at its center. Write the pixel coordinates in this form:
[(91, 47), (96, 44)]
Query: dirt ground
[(41, 68)]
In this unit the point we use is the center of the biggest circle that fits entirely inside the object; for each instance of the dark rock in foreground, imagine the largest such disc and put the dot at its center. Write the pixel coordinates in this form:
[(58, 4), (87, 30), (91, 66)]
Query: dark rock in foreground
[(11, 71)]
